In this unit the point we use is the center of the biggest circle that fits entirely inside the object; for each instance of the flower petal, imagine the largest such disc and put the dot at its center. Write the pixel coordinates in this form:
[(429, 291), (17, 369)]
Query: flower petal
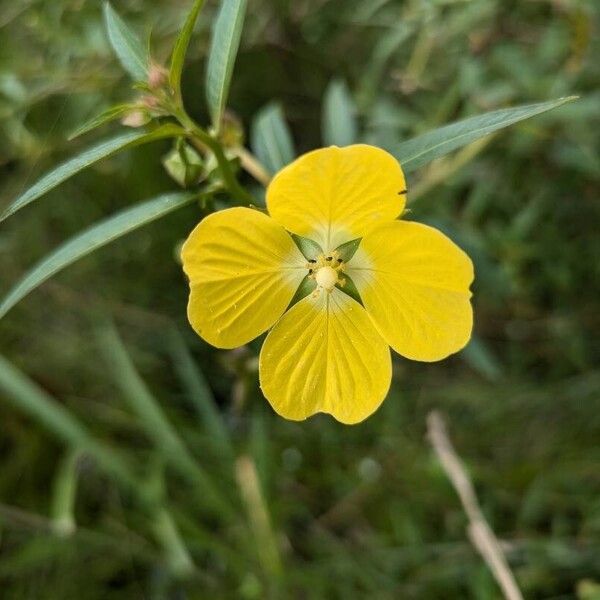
[(414, 283), (324, 355), (334, 195), (244, 269)]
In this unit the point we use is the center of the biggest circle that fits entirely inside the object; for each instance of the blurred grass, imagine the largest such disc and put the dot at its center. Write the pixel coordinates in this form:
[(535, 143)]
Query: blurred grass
[(355, 512)]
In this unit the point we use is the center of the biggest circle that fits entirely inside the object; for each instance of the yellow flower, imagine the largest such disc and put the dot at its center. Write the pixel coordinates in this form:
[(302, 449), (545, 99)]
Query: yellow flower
[(328, 352)]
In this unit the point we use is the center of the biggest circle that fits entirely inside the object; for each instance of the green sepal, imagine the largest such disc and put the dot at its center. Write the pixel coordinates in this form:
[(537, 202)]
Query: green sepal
[(348, 249), (309, 249), (350, 289), (306, 287)]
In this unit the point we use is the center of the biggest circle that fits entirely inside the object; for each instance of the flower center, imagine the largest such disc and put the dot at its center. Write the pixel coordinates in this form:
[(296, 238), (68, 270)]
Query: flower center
[(326, 271), (326, 277)]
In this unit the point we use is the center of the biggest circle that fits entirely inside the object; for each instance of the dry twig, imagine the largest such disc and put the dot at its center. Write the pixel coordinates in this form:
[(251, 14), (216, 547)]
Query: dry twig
[(480, 533)]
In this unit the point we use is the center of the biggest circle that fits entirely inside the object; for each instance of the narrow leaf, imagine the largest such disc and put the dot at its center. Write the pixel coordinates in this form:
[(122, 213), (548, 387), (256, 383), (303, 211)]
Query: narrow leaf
[(480, 357), (271, 138), (29, 398), (64, 494), (128, 47), (339, 115), (110, 114), (32, 400), (91, 239), (224, 45), (199, 393), (181, 45), (153, 419), (87, 158), (417, 152)]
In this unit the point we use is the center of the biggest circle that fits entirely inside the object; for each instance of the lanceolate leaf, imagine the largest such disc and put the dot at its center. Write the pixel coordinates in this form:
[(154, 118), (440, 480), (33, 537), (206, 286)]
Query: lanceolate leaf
[(128, 47), (417, 152), (181, 45), (224, 45), (339, 115), (93, 238), (87, 158), (271, 138), (110, 114)]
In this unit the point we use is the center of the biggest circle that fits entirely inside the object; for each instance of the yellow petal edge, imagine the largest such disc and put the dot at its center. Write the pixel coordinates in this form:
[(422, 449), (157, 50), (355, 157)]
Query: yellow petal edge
[(324, 355), (244, 269), (414, 283), (333, 195)]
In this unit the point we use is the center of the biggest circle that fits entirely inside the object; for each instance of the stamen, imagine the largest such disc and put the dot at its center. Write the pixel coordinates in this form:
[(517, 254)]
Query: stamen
[(326, 272)]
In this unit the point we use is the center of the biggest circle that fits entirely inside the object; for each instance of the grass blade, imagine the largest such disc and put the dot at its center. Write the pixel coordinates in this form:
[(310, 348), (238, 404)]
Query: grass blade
[(128, 47), (224, 46), (64, 494), (32, 400), (271, 138), (339, 124), (91, 239), (151, 416), (417, 152), (198, 392), (87, 158), (181, 46)]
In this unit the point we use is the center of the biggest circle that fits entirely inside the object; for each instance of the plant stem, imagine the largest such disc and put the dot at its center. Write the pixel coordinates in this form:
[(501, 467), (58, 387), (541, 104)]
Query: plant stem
[(251, 164)]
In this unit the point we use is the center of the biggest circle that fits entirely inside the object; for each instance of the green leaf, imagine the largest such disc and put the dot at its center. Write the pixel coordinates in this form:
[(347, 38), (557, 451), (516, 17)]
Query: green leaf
[(199, 394), (91, 239), (110, 114), (479, 356), (417, 152), (339, 124), (271, 138), (64, 493), (128, 47), (87, 158), (153, 419), (348, 249), (310, 250), (29, 398), (224, 45), (181, 46)]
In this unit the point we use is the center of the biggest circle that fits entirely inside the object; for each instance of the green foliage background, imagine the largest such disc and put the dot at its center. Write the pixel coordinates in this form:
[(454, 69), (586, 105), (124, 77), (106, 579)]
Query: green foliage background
[(361, 512)]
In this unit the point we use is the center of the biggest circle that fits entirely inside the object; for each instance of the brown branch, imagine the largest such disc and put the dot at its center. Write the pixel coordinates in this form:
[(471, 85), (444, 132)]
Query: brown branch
[(479, 532)]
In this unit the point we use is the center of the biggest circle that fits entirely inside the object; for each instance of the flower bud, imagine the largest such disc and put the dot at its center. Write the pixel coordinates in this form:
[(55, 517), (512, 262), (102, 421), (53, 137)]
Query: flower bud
[(136, 118)]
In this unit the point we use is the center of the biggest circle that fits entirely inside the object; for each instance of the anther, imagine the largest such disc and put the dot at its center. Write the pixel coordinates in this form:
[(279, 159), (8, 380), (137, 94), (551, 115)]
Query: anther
[(329, 258), (312, 260), (401, 192), (340, 260)]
